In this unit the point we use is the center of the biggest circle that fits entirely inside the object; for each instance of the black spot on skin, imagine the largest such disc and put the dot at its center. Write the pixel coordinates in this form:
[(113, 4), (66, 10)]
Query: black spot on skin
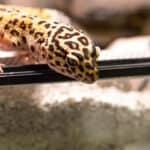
[(49, 33), (61, 49), (73, 69), (9, 11), (15, 21), (1, 18), (83, 40), (46, 42), (91, 76), (57, 63), (43, 55), (62, 70), (53, 27), (32, 31), (41, 22), (24, 16), (58, 54), (14, 44), (66, 65), (69, 71), (2, 35), (56, 22), (80, 57), (67, 28), (81, 68), (51, 48), (14, 32), (43, 49), (38, 34), (30, 17), (71, 61), (30, 25), (10, 22), (17, 10), (22, 25), (52, 64), (32, 48), (40, 41), (79, 75), (89, 66), (47, 25), (6, 27), (72, 45), (68, 35), (86, 53), (24, 39), (18, 43), (50, 57)]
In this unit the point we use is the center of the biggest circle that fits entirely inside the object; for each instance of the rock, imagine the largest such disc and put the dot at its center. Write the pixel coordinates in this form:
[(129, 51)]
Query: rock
[(73, 115)]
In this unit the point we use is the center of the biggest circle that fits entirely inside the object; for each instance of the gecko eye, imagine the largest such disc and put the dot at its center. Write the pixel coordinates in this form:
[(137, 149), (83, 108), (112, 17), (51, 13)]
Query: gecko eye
[(72, 60)]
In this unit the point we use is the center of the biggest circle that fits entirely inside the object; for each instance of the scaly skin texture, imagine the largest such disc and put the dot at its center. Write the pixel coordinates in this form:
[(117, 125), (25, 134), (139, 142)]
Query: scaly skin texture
[(64, 48)]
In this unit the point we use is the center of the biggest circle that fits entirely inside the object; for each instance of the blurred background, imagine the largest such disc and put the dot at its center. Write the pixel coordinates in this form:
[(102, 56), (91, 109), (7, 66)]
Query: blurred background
[(105, 20)]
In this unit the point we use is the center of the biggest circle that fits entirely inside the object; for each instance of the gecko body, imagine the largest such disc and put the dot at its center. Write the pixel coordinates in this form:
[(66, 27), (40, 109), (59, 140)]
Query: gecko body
[(64, 48)]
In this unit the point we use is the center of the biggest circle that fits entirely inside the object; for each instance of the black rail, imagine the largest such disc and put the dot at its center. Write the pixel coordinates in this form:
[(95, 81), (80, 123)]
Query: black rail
[(29, 74)]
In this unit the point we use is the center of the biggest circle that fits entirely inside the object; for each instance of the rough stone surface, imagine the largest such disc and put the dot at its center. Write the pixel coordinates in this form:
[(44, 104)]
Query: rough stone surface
[(73, 116)]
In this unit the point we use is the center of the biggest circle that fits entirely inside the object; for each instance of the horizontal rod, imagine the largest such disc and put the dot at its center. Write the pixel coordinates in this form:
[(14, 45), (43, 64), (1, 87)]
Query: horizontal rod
[(28, 74)]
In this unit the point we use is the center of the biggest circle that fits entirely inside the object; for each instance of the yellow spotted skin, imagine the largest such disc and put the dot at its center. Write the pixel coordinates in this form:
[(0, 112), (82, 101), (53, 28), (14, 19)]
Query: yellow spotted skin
[(64, 48)]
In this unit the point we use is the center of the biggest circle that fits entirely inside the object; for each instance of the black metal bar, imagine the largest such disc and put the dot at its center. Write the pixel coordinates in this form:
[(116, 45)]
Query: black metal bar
[(29, 74)]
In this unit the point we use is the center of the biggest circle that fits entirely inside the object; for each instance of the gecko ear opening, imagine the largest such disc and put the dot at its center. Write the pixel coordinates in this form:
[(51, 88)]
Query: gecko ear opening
[(72, 60)]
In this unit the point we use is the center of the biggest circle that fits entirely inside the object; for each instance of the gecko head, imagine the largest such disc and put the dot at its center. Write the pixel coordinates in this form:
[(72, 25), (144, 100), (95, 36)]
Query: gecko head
[(75, 54)]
